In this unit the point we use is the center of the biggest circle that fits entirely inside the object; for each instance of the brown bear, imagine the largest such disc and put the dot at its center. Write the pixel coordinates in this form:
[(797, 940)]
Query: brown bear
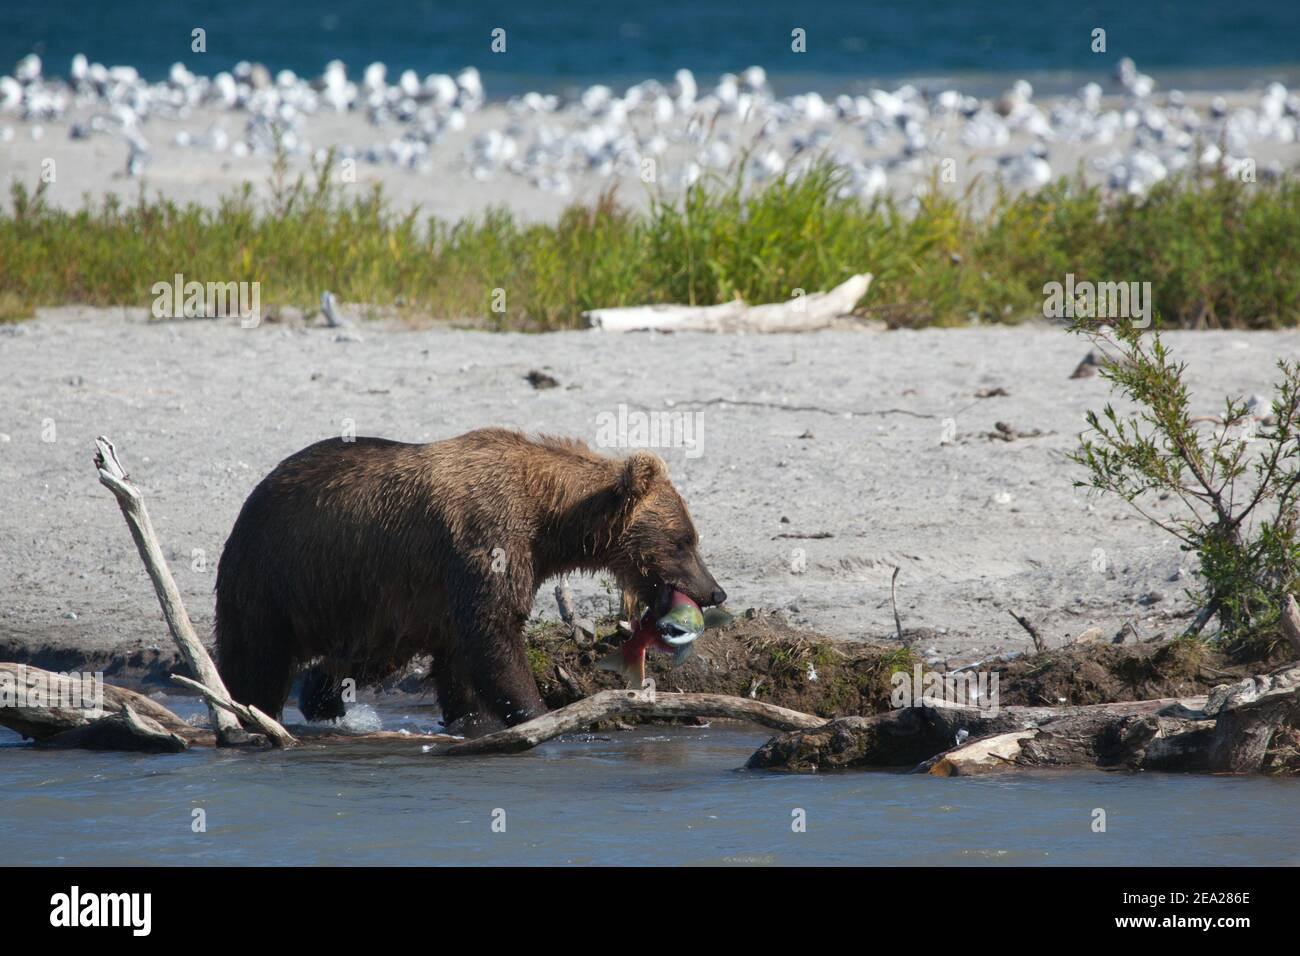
[(359, 555)]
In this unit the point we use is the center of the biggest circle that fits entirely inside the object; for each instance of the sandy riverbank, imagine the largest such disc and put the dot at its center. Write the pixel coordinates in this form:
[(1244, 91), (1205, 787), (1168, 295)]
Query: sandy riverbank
[(841, 437)]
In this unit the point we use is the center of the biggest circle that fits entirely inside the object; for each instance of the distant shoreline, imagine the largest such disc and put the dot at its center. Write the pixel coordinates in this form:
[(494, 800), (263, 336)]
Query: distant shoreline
[(520, 46), (500, 86)]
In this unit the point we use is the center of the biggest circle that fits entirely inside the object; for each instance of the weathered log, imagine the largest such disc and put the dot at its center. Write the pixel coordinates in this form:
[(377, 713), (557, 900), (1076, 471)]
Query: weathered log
[(633, 704), (986, 754), (802, 313), (123, 731), (127, 720), (115, 479), (1100, 738), (1235, 729), (1244, 732), (907, 736), (40, 708)]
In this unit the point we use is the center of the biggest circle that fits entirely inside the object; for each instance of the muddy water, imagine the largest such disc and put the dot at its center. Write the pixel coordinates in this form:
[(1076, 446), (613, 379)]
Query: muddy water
[(650, 796)]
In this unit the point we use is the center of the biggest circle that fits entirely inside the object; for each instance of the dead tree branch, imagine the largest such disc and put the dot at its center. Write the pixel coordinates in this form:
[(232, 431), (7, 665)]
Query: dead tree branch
[(245, 712), (635, 704), (114, 477), (1039, 644)]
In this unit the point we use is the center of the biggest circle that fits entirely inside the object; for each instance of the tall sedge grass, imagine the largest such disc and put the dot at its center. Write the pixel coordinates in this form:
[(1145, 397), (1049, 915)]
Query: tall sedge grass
[(1217, 252)]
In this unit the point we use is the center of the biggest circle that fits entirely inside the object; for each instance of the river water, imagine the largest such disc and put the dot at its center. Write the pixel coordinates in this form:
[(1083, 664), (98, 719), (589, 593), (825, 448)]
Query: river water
[(656, 795), (557, 46)]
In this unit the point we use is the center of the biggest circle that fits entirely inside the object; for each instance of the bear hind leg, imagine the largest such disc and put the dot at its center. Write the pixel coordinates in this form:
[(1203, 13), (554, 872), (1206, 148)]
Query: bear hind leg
[(257, 669)]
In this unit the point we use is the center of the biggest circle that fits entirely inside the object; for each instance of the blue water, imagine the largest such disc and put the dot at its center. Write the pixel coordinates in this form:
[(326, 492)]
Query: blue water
[(558, 45), (656, 795)]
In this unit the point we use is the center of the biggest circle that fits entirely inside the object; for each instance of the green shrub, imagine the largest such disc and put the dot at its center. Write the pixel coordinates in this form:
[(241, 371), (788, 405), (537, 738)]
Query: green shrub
[(1218, 252), (1235, 479)]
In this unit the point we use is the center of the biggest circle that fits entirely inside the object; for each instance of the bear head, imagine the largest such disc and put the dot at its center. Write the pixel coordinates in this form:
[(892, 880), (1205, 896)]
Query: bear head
[(657, 548)]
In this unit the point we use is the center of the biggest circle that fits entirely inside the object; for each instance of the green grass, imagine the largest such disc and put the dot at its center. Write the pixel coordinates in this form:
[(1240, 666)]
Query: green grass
[(1218, 252)]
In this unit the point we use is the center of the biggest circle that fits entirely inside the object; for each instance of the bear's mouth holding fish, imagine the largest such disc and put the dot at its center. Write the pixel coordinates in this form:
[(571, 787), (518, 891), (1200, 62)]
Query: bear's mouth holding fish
[(670, 625)]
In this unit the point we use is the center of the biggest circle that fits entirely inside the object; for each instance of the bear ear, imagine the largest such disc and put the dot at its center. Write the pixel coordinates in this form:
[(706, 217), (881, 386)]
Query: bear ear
[(640, 471)]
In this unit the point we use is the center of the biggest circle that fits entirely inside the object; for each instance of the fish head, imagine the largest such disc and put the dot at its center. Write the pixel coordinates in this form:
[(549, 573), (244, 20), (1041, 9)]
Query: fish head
[(679, 620)]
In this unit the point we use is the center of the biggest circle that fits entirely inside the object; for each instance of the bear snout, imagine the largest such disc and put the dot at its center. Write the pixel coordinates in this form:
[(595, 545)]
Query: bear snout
[(704, 589)]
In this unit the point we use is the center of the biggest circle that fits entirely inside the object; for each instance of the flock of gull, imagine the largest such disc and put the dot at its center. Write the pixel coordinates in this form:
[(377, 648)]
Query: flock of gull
[(679, 131)]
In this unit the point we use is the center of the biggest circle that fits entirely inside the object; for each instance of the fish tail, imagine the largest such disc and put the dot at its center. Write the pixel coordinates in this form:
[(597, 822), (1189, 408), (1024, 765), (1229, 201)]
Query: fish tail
[(618, 663)]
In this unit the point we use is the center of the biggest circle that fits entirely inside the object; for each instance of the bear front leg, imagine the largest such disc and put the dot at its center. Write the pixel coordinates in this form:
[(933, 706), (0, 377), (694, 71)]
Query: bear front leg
[(462, 712), (492, 649), (320, 695)]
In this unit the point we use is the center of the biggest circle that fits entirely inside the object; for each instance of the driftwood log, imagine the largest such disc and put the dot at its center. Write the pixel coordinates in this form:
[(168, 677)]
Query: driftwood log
[(229, 732), (69, 727), (1238, 728), (905, 737), (803, 313), (50, 713), (131, 721), (635, 704), (122, 731)]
